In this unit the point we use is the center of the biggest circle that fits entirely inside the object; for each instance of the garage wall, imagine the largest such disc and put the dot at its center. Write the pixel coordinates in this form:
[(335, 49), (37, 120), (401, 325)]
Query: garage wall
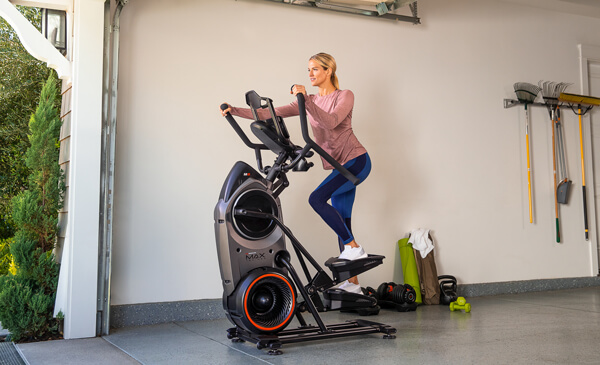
[(429, 108)]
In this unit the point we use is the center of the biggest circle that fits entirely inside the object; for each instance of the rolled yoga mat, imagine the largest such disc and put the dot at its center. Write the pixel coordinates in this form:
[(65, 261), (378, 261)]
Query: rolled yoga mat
[(409, 267)]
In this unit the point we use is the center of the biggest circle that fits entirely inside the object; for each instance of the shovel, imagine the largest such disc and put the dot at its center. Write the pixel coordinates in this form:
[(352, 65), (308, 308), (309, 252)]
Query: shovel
[(562, 190)]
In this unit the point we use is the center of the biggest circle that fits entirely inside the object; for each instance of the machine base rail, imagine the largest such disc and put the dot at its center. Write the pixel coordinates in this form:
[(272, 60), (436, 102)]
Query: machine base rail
[(311, 333), (400, 307)]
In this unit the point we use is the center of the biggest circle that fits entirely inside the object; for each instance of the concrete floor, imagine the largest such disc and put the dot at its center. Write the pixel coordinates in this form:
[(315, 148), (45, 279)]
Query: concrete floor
[(560, 327)]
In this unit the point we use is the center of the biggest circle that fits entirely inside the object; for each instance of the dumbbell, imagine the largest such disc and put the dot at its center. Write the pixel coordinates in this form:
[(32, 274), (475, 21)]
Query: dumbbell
[(369, 291), (399, 294), (404, 294), (461, 303), (384, 291)]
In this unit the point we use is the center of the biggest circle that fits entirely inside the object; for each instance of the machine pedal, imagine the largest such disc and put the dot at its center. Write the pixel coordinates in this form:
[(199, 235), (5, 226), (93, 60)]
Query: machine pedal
[(345, 269), (338, 299)]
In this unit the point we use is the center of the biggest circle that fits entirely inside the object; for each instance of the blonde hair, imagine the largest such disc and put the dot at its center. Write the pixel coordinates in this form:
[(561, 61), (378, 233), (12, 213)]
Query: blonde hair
[(327, 62)]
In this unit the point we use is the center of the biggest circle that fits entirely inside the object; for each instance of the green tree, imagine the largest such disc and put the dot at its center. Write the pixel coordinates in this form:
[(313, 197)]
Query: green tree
[(21, 80), (27, 298)]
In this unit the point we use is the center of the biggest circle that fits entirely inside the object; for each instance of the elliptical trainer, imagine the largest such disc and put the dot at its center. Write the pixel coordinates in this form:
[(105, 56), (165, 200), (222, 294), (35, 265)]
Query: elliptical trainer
[(259, 297)]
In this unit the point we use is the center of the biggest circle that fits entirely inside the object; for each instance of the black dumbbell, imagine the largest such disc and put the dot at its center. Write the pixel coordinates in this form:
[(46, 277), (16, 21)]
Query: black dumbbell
[(404, 294), (369, 291), (384, 291)]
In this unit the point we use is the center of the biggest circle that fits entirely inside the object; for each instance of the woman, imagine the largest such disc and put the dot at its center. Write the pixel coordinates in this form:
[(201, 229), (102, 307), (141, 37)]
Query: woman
[(330, 116)]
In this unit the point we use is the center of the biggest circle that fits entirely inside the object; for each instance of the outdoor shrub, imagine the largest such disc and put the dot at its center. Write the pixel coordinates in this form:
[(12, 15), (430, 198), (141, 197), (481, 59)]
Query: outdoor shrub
[(22, 77), (27, 297)]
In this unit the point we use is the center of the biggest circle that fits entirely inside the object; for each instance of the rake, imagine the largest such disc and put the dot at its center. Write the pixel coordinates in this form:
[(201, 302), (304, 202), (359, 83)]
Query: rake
[(551, 91), (527, 93)]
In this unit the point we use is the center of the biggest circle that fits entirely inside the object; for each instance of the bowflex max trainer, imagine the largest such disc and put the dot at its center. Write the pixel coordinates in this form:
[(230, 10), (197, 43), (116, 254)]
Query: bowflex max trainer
[(259, 297)]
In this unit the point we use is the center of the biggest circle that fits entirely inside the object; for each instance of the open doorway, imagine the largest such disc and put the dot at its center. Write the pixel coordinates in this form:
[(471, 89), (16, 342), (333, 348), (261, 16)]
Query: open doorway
[(590, 83)]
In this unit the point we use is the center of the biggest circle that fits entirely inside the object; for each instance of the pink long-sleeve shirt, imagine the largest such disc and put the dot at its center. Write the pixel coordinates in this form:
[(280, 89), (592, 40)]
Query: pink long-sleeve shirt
[(330, 118)]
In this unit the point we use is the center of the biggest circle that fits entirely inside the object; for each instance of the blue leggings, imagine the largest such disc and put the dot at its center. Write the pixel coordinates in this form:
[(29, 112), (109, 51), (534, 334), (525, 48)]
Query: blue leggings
[(341, 192)]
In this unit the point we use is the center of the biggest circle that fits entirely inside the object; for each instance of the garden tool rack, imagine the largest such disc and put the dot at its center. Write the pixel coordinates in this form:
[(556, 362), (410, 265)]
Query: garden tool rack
[(509, 103), (580, 105)]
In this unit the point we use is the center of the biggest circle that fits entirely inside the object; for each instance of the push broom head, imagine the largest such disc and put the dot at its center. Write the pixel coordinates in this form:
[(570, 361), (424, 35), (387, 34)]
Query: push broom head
[(579, 99), (526, 92)]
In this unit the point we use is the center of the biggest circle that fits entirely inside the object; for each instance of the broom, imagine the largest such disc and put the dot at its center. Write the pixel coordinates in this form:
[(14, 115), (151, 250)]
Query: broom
[(526, 94), (589, 102)]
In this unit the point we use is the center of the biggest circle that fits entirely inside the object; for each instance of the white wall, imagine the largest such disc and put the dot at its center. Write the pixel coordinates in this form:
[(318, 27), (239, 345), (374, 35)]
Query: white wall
[(429, 108)]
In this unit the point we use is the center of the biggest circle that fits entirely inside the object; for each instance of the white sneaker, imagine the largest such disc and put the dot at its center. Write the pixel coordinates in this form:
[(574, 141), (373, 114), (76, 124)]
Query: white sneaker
[(353, 253), (350, 287)]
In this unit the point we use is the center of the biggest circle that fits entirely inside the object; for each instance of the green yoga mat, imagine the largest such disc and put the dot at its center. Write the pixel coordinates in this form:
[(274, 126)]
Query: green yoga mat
[(409, 267)]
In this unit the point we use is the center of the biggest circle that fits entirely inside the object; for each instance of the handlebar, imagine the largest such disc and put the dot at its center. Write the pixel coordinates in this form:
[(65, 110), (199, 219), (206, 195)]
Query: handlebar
[(240, 132), (304, 125), (305, 152), (255, 146)]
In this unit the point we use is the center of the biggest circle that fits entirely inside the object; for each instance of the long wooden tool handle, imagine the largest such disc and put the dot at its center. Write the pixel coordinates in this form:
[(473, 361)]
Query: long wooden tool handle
[(528, 164), (585, 218), (554, 179)]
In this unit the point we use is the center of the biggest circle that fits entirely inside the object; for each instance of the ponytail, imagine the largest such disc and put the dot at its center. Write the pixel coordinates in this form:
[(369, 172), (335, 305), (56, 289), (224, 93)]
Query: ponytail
[(327, 62)]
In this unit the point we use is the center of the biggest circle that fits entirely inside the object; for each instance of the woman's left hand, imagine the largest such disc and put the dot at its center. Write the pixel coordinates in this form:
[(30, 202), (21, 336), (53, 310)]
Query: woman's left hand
[(298, 89)]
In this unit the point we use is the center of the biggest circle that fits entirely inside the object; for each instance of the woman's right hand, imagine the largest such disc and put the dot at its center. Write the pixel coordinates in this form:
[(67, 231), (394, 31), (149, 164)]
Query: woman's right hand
[(298, 89), (227, 110)]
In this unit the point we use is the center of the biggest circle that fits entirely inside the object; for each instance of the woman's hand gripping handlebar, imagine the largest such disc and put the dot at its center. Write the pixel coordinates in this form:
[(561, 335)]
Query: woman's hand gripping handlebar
[(225, 111)]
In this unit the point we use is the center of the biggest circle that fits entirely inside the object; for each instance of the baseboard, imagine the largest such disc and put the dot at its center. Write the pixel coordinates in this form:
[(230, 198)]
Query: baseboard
[(153, 313), (525, 286), (207, 309)]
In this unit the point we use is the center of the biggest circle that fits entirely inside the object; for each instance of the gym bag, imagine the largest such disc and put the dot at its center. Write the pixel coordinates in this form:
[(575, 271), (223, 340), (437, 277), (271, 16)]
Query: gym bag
[(428, 277)]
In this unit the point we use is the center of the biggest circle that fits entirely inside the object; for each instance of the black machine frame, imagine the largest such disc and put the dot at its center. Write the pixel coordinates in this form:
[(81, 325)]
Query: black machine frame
[(274, 136)]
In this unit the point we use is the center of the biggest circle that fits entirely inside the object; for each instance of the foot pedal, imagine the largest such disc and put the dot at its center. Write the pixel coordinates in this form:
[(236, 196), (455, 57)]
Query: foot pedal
[(340, 299), (345, 269)]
